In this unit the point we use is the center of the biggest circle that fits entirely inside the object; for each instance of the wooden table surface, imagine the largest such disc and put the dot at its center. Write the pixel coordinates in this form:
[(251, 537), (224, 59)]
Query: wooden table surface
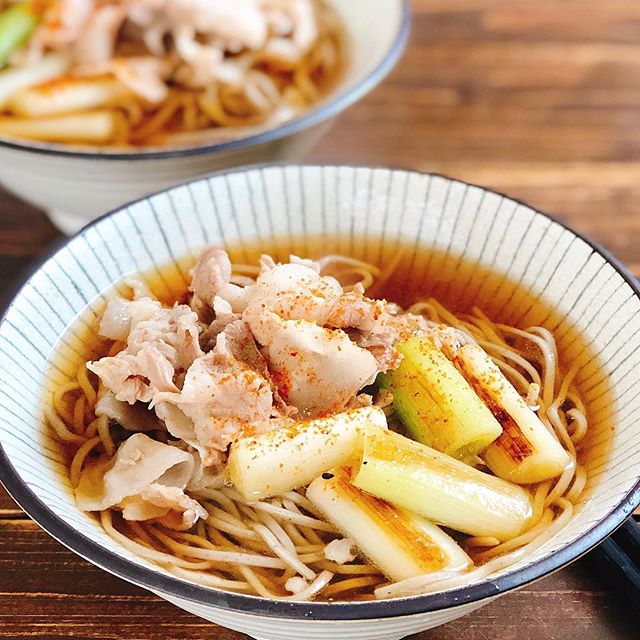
[(540, 100)]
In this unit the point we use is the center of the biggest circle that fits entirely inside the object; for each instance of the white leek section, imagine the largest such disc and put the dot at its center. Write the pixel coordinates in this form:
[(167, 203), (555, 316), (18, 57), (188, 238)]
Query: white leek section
[(440, 488), (67, 96), (526, 452), (278, 461), (401, 544), (436, 403), (13, 80), (94, 127)]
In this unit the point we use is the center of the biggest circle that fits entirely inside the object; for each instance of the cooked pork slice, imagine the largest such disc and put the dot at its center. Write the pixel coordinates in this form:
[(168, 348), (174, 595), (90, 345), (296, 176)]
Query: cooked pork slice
[(205, 477), (144, 75), (381, 342), (160, 343), (96, 43), (294, 291), (136, 417), (158, 501), (174, 332), (241, 21), (211, 277), (297, 291), (63, 23), (317, 369), (220, 398), (119, 313), (132, 378), (359, 401), (178, 424), (223, 316), (240, 342), (144, 478), (354, 309)]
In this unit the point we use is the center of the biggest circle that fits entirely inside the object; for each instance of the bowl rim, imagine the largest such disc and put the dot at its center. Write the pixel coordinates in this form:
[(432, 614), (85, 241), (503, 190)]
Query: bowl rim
[(332, 107), (176, 588)]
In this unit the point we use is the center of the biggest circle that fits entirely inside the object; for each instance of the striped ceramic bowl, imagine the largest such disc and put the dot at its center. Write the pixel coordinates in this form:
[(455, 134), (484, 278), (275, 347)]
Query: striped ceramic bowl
[(360, 210)]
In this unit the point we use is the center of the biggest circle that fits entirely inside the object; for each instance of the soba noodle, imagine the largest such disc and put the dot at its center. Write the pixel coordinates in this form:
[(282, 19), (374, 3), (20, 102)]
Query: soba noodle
[(276, 547)]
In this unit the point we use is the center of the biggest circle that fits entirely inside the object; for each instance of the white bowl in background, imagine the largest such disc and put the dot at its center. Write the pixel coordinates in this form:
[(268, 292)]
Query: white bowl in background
[(354, 209), (76, 185)]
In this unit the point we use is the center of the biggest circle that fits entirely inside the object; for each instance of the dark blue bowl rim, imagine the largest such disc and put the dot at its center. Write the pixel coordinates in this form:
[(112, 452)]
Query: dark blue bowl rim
[(313, 117), (204, 596)]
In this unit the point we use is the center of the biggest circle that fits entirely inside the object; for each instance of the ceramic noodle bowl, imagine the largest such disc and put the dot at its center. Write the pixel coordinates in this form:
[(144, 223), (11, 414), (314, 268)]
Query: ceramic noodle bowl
[(572, 287), (75, 185)]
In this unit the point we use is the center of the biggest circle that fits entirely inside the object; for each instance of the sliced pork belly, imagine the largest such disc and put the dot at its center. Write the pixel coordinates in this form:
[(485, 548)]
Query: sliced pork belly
[(120, 314), (317, 369), (221, 397), (239, 341), (137, 417), (171, 505), (160, 342), (145, 478), (381, 341), (297, 291), (137, 377), (211, 278), (96, 44)]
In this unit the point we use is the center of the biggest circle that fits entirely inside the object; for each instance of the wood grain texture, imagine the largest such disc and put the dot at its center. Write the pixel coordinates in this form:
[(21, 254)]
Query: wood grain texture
[(537, 100), (48, 592)]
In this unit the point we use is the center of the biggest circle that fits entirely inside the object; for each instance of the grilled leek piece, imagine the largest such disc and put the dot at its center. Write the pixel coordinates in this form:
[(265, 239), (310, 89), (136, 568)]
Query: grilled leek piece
[(93, 127), (436, 404), (278, 461), (401, 544), (440, 488), (526, 452), (12, 80), (17, 23), (67, 96)]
